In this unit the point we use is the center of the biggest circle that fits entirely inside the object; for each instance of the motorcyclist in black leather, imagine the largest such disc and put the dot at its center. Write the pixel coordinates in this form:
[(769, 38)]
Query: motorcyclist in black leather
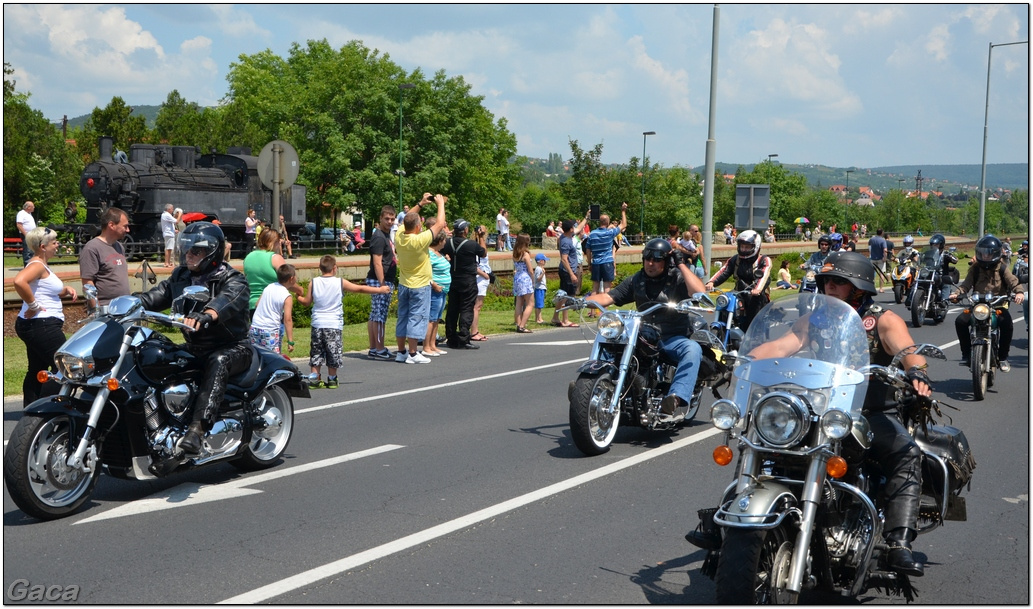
[(948, 275), (850, 276), (221, 326), (743, 265)]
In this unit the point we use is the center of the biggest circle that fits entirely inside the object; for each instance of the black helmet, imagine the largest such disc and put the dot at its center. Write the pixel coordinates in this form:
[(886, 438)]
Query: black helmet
[(938, 241), (656, 249), (852, 266), (824, 239), (208, 239), (988, 252)]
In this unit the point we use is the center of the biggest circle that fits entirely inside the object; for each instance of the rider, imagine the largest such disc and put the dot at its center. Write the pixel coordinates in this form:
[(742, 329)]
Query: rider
[(818, 257), (220, 335), (989, 274), (948, 275), (909, 252), (744, 266), (654, 283), (837, 241)]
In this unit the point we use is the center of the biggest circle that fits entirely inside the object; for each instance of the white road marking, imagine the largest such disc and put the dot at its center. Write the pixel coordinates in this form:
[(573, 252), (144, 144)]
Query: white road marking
[(555, 343), (1018, 499), (350, 562), (478, 379), (194, 494)]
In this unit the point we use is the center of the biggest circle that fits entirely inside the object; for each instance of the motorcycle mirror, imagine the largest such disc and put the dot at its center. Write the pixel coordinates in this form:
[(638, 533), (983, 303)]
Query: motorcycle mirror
[(89, 292), (701, 297)]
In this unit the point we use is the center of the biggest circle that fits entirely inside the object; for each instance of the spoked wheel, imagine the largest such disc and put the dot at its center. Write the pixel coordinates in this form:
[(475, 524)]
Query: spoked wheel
[(754, 567), (918, 309), (592, 425), (274, 424), (980, 374), (35, 470)]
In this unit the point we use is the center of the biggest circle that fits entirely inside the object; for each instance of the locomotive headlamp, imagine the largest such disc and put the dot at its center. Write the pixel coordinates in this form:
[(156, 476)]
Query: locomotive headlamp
[(836, 424), (782, 419), (90, 183), (610, 325), (724, 414), (981, 311)]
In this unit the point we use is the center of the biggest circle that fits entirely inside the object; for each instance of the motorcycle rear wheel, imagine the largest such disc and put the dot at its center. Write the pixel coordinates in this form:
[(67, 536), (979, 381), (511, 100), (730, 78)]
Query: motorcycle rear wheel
[(37, 478), (591, 427), (980, 375), (753, 568), (918, 309), (270, 440)]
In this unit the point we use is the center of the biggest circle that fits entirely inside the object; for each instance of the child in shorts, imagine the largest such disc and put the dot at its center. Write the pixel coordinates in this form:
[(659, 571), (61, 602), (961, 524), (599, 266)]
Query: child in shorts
[(539, 287), (275, 308), (325, 294)]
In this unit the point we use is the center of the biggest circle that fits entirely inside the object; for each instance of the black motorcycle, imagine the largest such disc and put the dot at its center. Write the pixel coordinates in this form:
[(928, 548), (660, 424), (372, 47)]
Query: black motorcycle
[(125, 403), (627, 375), (927, 301), (983, 310)]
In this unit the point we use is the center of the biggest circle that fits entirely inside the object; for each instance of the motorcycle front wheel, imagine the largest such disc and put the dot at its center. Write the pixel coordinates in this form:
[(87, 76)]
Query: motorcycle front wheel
[(980, 374), (592, 426), (753, 568), (918, 309), (35, 470), (273, 425), (898, 292)]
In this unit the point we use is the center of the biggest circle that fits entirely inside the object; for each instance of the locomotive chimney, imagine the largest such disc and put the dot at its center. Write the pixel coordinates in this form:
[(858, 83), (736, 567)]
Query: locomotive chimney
[(106, 144)]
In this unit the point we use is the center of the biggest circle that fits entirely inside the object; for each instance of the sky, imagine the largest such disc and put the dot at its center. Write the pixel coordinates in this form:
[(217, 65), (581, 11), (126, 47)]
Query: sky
[(843, 85)]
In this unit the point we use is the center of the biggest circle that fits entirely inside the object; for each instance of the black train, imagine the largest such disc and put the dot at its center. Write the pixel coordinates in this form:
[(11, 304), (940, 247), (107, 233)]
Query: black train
[(221, 186)]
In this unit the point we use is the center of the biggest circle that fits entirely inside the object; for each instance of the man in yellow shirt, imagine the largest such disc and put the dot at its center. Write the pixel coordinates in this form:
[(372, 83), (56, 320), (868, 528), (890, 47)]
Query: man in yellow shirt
[(412, 248)]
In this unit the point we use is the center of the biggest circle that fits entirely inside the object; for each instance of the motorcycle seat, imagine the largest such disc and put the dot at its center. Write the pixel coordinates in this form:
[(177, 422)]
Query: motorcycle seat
[(246, 379)]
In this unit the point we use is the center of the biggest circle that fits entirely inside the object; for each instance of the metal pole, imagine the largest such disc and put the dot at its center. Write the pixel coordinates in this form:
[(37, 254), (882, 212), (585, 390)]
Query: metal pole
[(986, 120), (708, 184), (642, 217)]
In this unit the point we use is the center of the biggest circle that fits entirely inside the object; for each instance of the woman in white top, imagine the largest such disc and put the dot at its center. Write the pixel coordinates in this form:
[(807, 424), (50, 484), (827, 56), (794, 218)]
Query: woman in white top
[(483, 281), (41, 318)]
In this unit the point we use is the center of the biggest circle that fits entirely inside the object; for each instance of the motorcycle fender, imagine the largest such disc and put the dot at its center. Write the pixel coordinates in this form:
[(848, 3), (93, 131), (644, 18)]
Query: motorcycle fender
[(597, 367), (286, 374), (76, 410), (762, 506)]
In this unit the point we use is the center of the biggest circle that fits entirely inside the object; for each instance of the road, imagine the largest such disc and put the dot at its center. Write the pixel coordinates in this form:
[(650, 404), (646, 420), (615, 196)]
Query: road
[(457, 482)]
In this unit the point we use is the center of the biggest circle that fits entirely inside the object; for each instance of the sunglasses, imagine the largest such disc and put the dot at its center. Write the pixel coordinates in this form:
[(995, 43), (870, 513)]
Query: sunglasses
[(837, 281)]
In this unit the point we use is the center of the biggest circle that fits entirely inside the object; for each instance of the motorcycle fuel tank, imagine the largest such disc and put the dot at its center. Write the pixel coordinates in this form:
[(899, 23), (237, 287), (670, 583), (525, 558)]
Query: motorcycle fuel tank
[(160, 360)]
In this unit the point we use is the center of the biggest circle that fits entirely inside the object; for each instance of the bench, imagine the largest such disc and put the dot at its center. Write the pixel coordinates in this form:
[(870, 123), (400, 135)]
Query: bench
[(13, 245)]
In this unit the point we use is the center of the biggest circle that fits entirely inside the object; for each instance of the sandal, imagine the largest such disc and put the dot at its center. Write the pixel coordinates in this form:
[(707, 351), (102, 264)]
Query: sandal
[(569, 324), (523, 330), (479, 337)]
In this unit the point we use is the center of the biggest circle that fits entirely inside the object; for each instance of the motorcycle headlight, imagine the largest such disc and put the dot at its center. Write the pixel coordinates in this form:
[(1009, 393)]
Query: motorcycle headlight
[(722, 301), (836, 424), (724, 414), (610, 326), (74, 368), (981, 311), (782, 419), (810, 276)]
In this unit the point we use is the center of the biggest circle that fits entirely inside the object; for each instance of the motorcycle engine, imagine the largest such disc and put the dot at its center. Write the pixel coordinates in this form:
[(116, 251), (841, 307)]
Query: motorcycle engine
[(177, 400)]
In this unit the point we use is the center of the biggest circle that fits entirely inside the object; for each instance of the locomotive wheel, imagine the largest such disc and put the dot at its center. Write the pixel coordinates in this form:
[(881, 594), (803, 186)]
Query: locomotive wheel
[(980, 374), (269, 438), (592, 426), (918, 309), (35, 472), (753, 568)]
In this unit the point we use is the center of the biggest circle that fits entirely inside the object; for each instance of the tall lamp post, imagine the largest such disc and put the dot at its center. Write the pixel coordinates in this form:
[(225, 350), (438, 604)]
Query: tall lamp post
[(642, 218), (986, 118), (401, 172), (848, 172)]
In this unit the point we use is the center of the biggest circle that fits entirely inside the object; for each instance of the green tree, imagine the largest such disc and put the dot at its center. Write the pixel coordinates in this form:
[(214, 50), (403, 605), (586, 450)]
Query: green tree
[(178, 122), (115, 120)]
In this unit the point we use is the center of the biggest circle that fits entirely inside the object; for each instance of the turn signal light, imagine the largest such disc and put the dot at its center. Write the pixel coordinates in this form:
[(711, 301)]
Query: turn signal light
[(42, 376), (836, 467), (112, 384), (722, 455)]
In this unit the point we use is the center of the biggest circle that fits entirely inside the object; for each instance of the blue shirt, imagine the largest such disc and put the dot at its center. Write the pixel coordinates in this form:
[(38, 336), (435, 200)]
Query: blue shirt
[(877, 248), (568, 251), (600, 241)]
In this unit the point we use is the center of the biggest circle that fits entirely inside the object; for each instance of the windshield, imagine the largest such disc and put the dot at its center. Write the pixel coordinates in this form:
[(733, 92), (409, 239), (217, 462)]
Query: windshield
[(823, 329), (930, 257)]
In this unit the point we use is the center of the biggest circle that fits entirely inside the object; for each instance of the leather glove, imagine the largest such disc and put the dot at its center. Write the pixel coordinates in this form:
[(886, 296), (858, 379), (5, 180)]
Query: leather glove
[(204, 320), (677, 258)]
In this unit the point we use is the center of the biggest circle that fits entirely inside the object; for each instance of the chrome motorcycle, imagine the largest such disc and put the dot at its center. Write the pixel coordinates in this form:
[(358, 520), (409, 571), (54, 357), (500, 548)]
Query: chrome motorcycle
[(125, 403), (627, 375), (804, 511), (927, 301)]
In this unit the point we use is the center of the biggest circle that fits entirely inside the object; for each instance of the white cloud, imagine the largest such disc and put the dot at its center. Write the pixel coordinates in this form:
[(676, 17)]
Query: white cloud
[(877, 20), (675, 84), (237, 23), (937, 42)]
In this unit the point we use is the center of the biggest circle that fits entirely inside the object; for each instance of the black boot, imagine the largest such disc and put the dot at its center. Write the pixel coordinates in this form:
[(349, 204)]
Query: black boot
[(671, 403), (707, 534), (899, 558), (191, 442)]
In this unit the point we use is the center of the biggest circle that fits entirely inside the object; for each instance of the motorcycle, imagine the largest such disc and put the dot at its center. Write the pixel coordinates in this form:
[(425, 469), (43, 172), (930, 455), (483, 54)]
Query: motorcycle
[(125, 404), (627, 375), (728, 314), (805, 511), (903, 276), (808, 282), (926, 299), (985, 337)]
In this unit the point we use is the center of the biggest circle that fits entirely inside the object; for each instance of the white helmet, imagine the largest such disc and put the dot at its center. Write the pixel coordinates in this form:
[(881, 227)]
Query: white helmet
[(748, 244)]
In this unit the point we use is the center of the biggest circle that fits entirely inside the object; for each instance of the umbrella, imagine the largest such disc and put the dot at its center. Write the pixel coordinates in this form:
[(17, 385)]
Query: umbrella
[(801, 220)]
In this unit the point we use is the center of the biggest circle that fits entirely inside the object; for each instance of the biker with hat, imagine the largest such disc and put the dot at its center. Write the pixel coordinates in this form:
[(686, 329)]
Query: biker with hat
[(989, 274)]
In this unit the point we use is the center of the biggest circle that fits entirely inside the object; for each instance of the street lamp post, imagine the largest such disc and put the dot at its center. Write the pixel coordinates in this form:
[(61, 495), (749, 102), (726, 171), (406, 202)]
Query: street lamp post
[(986, 118), (642, 218), (401, 172), (770, 156), (848, 172)]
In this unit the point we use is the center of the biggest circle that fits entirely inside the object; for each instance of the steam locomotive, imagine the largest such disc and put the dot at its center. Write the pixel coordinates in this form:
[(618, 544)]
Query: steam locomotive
[(222, 187)]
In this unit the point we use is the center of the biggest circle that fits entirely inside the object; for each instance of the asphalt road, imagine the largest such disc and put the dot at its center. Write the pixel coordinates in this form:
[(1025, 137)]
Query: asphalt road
[(456, 482)]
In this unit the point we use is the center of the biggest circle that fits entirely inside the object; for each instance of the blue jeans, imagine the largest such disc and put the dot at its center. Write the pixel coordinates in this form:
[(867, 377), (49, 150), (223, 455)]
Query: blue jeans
[(413, 312), (688, 354)]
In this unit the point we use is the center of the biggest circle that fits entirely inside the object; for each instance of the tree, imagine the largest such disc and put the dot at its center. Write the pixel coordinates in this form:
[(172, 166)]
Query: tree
[(178, 121), (115, 120)]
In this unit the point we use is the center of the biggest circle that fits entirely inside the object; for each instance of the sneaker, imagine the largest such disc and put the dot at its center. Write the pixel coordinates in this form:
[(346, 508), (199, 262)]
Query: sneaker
[(442, 352), (383, 355), (401, 356), (430, 354), (416, 359), (331, 382), (1004, 365)]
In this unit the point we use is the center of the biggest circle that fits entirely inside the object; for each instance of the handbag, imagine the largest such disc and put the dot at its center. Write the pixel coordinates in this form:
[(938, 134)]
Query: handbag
[(492, 278)]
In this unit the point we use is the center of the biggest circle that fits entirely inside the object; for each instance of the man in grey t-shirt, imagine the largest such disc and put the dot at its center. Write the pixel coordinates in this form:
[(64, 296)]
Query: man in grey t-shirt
[(102, 262), (877, 253)]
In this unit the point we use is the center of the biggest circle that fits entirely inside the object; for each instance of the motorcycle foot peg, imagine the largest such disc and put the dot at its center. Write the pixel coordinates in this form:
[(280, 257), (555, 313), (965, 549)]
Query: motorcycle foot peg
[(164, 467)]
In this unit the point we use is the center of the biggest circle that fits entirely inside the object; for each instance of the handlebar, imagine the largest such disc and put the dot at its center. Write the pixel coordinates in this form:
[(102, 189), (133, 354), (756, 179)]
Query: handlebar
[(174, 320)]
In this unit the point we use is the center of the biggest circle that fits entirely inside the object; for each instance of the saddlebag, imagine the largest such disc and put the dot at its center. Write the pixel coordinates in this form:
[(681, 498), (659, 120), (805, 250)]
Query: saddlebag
[(951, 445)]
